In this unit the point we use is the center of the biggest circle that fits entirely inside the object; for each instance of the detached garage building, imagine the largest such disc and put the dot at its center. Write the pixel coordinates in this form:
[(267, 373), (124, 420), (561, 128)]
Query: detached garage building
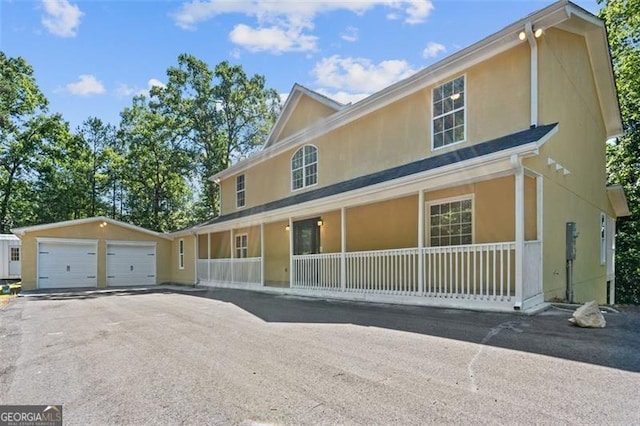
[(96, 252)]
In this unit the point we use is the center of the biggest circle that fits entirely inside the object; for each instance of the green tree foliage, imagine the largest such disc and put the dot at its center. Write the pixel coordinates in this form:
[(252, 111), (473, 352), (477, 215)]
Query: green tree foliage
[(24, 127), (224, 114), (151, 171), (158, 168), (622, 18)]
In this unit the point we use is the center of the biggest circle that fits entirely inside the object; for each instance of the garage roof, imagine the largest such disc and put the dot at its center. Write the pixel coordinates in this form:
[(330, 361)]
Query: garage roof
[(21, 231)]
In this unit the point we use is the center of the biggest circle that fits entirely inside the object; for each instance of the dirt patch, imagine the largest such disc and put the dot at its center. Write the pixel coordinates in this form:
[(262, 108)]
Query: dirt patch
[(5, 299)]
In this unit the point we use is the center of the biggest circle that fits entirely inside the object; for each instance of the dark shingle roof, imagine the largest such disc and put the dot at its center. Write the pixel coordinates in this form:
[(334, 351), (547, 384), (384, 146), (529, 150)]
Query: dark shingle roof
[(510, 141)]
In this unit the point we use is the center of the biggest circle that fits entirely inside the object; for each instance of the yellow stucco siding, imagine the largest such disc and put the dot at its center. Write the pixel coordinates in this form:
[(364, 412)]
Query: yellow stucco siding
[(330, 239), (494, 208), (400, 132), (92, 231), (186, 275), (276, 251), (568, 96), (562, 206), (389, 224), (307, 111)]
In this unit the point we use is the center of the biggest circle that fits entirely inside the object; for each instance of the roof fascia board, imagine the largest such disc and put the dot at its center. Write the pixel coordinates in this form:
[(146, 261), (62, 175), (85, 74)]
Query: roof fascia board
[(618, 200), (27, 229), (456, 63)]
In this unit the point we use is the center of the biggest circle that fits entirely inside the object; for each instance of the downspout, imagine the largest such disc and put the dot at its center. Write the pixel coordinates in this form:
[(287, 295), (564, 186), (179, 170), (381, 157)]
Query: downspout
[(533, 44), (516, 164), (196, 249)]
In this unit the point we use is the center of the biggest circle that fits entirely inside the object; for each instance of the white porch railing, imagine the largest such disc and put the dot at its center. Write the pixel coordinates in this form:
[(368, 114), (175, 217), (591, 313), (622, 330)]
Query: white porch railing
[(532, 270), (316, 271), (383, 271), (477, 271), (245, 270), (468, 275)]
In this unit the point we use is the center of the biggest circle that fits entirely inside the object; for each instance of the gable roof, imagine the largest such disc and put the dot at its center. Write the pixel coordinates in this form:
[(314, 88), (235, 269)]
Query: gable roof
[(296, 93), (24, 230), (534, 136), (562, 14)]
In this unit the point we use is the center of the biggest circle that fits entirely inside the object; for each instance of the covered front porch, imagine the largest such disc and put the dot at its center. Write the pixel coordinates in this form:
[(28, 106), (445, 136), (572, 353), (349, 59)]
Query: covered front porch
[(475, 245)]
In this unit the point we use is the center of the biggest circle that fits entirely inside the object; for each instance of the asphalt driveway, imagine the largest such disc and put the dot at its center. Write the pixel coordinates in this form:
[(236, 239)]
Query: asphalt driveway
[(234, 357)]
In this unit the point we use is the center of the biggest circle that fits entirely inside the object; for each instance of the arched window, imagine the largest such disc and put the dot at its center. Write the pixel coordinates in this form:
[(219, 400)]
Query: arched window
[(304, 167)]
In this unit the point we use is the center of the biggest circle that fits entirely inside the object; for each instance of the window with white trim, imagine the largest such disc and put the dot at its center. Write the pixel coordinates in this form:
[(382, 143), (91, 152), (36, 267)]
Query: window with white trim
[(181, 253), (451, 223), (449, 113), (603, 239), (14, 255), (304, 167), (240, 191), (242, 246)]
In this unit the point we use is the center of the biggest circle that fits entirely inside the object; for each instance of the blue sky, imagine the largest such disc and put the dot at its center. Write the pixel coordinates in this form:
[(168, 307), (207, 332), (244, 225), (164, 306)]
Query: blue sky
[(92, 57)]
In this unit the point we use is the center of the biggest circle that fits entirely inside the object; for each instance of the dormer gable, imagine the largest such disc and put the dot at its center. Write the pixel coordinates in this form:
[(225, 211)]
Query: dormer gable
[(303, 108)]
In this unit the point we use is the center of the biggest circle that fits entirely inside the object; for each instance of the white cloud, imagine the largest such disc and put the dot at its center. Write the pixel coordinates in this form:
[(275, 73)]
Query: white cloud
[(433, 49), (359, 74), (273, 39), (124, 90), (86, 85), (285, 25), (62, 18), (350, 34), (343, 97)]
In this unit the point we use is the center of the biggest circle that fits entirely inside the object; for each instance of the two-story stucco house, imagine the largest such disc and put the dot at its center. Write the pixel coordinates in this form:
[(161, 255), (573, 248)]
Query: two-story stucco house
[(478, 182), (452, 187)]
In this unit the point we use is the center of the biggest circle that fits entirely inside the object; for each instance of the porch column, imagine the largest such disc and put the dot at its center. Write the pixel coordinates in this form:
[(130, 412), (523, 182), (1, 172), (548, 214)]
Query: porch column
[(209, 256), (262, 254), (519, 188), (343, 249), (290, 253), (231, 253), (420, 242)]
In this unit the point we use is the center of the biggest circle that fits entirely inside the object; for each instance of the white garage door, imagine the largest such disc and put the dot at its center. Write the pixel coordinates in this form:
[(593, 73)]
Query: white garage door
[(67, 264), (131, 264)]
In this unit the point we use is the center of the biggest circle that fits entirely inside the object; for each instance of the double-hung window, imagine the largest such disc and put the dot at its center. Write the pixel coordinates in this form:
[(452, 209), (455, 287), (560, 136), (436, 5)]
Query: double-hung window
[(451, 223), (449, 113), (14, 255), (240, 191), (242, 244), (304, 167)]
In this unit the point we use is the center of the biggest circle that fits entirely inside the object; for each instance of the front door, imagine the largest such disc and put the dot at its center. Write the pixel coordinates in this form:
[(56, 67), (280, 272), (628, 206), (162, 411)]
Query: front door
[(306, 237)]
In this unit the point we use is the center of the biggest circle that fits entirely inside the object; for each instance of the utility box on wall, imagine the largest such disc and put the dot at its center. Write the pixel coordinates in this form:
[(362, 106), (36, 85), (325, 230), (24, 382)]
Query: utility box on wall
[(572, 235)]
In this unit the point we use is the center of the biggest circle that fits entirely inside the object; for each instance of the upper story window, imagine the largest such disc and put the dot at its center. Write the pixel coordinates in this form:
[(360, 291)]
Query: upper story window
[(304, 167), (451, 223), (449, 113), (240, 191)]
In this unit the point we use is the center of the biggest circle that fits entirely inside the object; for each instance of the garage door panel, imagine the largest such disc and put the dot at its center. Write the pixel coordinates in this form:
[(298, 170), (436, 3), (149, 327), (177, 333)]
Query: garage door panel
[(130, 265), (66, 265)]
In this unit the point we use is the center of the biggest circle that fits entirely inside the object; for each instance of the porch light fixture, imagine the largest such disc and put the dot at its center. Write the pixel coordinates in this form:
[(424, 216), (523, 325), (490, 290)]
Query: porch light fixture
[(286, 228), (103, 224), (522, 36), (538, 33), (320, 222)]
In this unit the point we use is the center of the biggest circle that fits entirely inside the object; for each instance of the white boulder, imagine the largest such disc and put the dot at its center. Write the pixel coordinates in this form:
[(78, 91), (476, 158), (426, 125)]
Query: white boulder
[(588, 315)]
